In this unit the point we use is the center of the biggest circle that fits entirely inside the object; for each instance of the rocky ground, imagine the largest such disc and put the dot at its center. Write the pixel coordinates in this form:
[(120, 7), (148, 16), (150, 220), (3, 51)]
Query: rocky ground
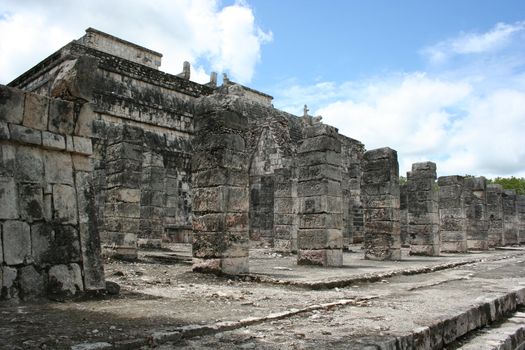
[(163, 304)]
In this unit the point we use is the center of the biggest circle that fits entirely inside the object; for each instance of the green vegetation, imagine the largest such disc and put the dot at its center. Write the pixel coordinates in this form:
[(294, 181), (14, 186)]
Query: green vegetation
[(510, 183), (402, 180)]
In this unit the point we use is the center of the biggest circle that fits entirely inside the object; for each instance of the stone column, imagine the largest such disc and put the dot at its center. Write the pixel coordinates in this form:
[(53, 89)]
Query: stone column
[(285, 211), (452, 214), (122, 202), (220, 191), (510, 223), (320, 237), (423, 210), (520, 203), (476, 206), (380, 191), (403, 213), (494, 215)]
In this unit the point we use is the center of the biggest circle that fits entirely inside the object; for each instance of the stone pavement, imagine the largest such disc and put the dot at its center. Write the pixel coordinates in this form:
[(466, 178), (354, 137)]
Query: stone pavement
[(419, 303)]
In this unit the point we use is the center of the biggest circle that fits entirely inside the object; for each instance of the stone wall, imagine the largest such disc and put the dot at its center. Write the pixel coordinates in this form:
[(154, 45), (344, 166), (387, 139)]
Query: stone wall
[(141, 124), (494, 215), (380, 193), (423, 210), (452, 214), (49, 244)]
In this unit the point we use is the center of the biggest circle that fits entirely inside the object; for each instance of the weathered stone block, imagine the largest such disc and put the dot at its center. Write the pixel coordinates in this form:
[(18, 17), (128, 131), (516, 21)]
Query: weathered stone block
[(93, 268), (382, 246), (220, 244), (31, 202), (128, 195), (58, 168), (25, 135), (322, 257), (218, 119), (220, 176), (82, 145), (65, 280), (318, 188), (61, 117), (320, 143), (8, 198), (383, 227), (53, 141), (283, 219), (319, 157), (320, 172), (220, 158), (9, 275), (4, 131), (7, 159), (30, 282), (16, 241), (320, 204), (65, 204), (82, 163), (11, 105), (319, 130), (313, 221), (120, 239), (283, 205), (70, 146), (217, 141), (380, 201), (29, 164), (319, 238), (42, 236), (221, 198), (84, 125), (35, 112), (381, 214), (123, 210), (221, 222)]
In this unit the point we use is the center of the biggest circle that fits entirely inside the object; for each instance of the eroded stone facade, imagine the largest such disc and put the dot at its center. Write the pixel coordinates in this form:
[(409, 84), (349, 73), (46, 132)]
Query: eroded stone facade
[(103, 147), (49, 240)]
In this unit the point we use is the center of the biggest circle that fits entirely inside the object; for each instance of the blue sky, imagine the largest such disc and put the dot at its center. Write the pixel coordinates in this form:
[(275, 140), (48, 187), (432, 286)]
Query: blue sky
[(437, 80)]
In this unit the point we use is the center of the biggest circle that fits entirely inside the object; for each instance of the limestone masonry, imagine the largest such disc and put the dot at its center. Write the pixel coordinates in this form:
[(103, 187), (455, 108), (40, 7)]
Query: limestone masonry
[(103, 154)]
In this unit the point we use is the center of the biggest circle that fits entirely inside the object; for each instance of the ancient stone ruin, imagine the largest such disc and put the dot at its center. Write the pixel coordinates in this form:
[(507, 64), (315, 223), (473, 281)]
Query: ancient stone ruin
[(103, 154)]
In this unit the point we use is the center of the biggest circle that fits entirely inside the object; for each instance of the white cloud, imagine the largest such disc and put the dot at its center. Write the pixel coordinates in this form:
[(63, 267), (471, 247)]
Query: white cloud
[(199, 31), (473, 43), (467, 116), (412, 114)]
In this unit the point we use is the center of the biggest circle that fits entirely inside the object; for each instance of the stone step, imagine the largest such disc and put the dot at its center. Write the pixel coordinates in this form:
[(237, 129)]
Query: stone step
[(506, 335)]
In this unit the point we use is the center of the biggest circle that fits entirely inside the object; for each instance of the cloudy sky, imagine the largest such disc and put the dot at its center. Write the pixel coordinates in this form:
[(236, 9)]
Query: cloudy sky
[(439, 80)]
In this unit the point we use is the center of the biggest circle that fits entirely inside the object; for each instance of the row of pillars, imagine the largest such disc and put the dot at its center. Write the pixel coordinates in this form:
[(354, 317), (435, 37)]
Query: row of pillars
[(221, 197), (453, 214), (456, 213)]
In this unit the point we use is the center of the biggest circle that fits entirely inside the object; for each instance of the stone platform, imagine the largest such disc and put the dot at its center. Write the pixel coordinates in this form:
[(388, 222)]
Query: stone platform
[(416, 303)]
